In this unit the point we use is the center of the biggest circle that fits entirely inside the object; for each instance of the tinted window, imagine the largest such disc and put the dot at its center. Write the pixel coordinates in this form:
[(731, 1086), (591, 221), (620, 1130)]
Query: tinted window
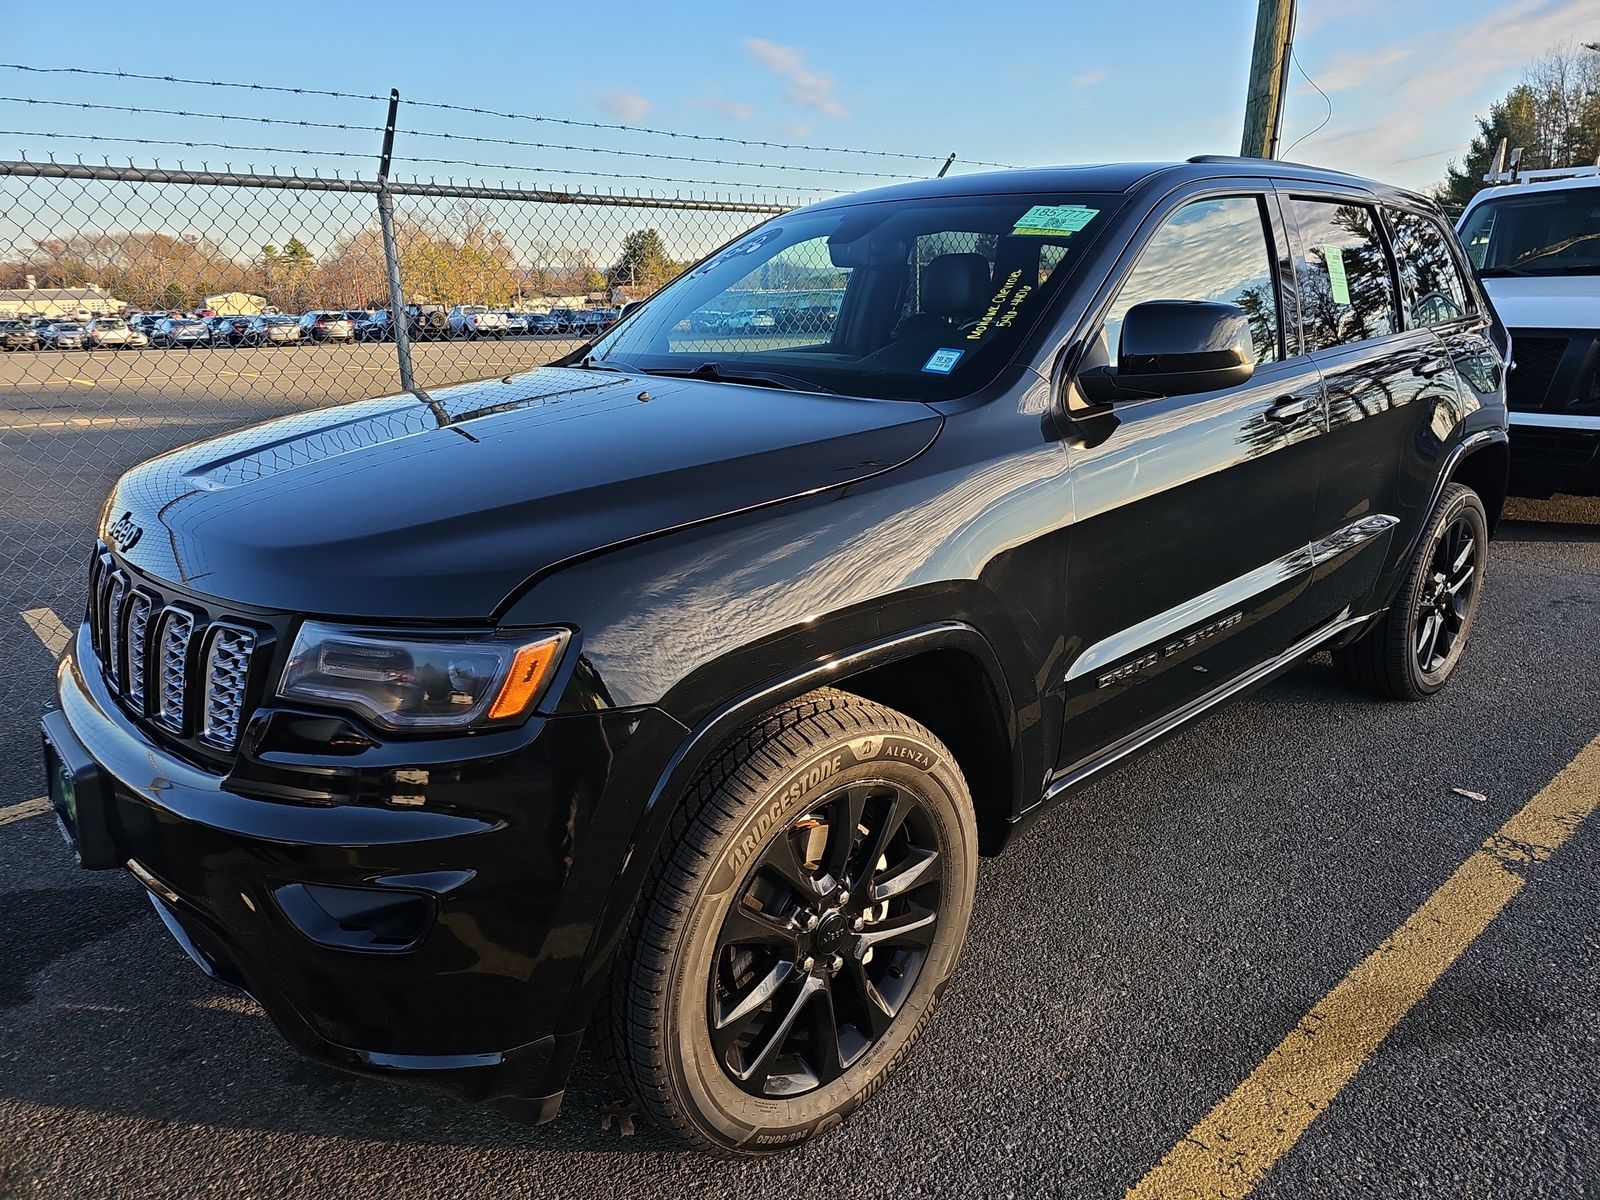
[(1346, 291), (1208, 250), (1429, 276)]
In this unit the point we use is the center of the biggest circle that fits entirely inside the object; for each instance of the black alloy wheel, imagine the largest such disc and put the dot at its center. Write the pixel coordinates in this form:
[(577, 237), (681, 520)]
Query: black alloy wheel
[(1447, 598), (806, 909), (826, 940), (1412, 650)]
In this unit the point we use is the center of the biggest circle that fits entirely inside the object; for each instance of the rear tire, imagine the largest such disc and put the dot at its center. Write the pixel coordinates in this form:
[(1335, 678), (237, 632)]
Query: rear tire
[(1412, 650), (805, 912)]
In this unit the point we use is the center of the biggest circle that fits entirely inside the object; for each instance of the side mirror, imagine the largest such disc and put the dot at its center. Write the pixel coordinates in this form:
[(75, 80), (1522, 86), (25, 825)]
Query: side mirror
[(1179, 347)]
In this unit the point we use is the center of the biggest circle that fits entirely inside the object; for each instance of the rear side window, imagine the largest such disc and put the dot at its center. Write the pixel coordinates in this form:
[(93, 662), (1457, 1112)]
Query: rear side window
[(1346, 289), (1429, 278), (1208, 250)]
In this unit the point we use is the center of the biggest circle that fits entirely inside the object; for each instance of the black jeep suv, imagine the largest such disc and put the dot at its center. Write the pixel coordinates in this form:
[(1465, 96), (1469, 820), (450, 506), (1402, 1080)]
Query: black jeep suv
[(666, 697)]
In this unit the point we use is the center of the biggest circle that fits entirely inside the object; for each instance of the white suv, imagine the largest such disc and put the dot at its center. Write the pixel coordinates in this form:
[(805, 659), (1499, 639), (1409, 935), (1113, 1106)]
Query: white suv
[(474, 320), (1536, 243)]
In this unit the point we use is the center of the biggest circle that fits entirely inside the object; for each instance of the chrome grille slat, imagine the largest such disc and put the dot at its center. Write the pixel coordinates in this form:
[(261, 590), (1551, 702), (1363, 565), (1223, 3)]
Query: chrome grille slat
[(177, 628), (137, 641), (227, 665), (115, 595)]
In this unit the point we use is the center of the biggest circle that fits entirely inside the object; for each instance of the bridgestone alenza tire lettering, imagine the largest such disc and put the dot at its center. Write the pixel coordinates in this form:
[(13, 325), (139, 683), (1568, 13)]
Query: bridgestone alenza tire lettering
[(806, 910)]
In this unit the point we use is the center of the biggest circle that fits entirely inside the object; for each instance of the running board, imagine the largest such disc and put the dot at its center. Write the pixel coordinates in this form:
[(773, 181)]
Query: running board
[(1140, 738)]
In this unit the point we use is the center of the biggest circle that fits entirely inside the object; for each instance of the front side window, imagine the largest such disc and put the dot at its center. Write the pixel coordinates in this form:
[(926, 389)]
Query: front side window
[(1209, 250), (919, 299), (1346, 288), (1434, 291)]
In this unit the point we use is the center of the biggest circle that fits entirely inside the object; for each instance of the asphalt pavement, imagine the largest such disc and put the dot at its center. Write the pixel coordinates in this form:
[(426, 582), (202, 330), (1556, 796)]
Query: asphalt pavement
[(1132, 959)]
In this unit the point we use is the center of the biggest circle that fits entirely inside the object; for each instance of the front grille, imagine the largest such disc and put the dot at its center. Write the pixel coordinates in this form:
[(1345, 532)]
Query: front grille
[(1537, 359), (174, 662)]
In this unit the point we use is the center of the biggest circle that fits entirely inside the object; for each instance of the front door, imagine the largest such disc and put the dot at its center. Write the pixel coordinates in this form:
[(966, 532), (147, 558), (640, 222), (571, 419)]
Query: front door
[(1187, 559)]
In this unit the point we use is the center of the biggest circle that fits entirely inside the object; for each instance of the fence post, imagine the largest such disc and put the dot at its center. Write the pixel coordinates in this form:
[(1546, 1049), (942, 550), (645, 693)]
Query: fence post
[(398, 317)]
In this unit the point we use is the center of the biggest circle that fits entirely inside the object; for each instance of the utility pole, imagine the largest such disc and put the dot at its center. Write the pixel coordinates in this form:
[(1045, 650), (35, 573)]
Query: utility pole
[(1269, 79)]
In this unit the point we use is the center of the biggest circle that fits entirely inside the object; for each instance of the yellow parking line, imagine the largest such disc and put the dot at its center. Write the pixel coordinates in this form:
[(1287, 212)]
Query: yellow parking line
[(28, 808), (49, 629), (1238, 1142)]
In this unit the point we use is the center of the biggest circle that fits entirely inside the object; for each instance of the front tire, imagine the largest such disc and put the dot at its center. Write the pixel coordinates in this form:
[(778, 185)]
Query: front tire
[(797, 929), (1411, 652)]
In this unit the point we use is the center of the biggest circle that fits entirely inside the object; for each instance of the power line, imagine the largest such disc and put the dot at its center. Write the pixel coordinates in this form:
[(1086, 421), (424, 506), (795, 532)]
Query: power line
[(485, 112), (1326, 118)]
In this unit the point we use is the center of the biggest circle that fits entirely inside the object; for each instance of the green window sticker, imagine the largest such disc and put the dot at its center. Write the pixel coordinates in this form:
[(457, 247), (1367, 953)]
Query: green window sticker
[(1333, 258), (1047, 220)]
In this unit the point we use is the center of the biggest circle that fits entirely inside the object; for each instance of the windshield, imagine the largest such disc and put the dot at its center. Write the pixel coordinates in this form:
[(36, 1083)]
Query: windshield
[(1547, 233), (912, 299)]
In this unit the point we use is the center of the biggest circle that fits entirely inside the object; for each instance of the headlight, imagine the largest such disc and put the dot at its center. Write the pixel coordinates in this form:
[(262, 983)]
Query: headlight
[(422, 683)]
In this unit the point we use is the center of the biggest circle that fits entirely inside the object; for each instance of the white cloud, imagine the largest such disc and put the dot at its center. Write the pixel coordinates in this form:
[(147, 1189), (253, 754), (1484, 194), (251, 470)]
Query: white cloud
[(735, 110), (623, 105), (1429, 90), (1090, 78), (807, 88), (1351, 70)]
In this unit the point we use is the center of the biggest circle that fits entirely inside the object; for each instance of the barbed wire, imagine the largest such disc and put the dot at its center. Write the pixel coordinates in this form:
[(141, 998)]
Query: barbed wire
[(179, 112), (486, 112), (549, 172), (289, 122)]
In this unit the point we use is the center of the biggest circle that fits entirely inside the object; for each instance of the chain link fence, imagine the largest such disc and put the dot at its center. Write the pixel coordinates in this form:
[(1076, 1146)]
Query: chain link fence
[(141, 309)]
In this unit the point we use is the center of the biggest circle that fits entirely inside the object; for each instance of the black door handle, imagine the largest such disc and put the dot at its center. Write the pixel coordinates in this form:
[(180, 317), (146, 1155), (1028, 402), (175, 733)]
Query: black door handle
[(1289, 408)]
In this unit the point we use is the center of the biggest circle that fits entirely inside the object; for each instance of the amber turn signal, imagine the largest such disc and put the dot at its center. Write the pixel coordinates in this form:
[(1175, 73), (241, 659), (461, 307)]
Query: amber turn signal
[(530, 667)]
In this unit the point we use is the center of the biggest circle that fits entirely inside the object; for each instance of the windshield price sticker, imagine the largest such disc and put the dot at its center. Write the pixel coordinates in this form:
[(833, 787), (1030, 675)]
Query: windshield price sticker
[(942, 362), (1053, 220), (1333, 256)]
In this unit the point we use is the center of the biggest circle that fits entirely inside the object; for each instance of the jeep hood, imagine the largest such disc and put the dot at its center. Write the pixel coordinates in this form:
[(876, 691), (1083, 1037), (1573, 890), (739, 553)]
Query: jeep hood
[(1545, 301), (443, 506)]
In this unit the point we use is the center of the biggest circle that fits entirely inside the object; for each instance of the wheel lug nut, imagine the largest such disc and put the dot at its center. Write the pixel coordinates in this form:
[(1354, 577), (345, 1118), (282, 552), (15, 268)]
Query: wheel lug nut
[(836, 965), (811, 922), (808, 964), (857, 924), (844, 898)]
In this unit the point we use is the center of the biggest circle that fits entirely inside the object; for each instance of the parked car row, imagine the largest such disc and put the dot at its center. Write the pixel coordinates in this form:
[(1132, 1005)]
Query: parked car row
[(172, 331)]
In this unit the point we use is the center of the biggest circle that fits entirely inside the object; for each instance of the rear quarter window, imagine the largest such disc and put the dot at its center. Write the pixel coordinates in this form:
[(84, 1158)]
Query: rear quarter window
[(1430, 278)]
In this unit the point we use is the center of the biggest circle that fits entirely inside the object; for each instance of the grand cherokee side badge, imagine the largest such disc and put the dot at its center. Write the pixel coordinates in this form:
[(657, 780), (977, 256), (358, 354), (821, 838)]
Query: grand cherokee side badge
[(124, 533), (1151, 657)]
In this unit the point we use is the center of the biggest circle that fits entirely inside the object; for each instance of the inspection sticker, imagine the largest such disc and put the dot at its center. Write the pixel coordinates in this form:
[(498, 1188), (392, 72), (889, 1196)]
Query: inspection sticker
[(942, 362), (1049, 219), (1333, 256)]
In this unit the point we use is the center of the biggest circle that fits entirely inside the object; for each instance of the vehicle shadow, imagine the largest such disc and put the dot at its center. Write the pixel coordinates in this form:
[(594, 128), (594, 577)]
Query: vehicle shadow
[(124, 1024)]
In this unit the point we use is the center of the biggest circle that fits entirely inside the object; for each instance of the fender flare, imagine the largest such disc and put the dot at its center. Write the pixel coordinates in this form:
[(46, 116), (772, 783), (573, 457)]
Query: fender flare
[(654, 816)]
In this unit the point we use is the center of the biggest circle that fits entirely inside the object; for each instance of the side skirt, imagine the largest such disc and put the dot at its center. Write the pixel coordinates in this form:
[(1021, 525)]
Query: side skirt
[(1071, 776)]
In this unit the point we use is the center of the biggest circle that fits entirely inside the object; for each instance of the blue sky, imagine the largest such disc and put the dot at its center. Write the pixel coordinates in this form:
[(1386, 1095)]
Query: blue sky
[(1013, 83)]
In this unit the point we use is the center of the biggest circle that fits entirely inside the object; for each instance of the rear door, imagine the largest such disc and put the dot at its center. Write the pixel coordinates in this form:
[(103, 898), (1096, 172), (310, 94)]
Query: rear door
[(1193, 512), (1391, 396)]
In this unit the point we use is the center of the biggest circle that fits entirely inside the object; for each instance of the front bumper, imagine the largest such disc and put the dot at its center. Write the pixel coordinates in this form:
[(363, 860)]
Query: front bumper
[(435, 930), (1554, 452)]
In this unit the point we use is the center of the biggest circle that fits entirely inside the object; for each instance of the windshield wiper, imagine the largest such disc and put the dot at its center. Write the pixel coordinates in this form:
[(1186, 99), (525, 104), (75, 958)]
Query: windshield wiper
[(762, 378)]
